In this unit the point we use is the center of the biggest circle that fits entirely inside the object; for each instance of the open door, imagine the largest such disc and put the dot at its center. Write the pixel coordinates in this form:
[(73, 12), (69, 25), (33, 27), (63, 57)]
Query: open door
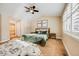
[(12, 30)]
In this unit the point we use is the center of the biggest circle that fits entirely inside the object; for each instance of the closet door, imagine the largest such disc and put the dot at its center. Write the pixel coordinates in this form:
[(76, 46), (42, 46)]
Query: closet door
[(12, 30)]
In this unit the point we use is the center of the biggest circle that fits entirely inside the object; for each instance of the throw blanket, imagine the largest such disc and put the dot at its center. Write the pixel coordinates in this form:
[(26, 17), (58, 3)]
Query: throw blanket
[(19, 48)]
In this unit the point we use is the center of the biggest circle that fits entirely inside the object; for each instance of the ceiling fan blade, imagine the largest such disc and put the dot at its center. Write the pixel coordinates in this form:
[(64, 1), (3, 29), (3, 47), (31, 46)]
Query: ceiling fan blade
[(33, 7), (36, 10), (27, 11), (27, 8)]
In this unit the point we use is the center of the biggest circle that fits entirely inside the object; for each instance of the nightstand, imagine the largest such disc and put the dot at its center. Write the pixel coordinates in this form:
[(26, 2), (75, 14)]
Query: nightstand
[(52, 35)]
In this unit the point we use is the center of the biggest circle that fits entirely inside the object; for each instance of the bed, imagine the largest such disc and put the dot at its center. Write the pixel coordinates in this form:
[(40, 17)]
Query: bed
[(36, 38), (40, 36)]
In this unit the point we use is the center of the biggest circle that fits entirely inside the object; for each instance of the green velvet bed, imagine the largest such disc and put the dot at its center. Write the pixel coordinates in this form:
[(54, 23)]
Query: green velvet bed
[(36, 38)]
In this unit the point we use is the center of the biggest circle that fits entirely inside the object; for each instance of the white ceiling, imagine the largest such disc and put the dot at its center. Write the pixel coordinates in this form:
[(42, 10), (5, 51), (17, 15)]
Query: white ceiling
[(45, 9), (51, 9)]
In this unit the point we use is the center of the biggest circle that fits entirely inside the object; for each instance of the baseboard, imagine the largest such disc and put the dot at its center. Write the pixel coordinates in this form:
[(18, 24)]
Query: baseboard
[(58, 37), (66, 48)]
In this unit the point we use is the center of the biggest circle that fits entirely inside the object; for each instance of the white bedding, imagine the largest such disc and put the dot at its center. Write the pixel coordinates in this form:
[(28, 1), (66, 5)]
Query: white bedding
[(19, 48)]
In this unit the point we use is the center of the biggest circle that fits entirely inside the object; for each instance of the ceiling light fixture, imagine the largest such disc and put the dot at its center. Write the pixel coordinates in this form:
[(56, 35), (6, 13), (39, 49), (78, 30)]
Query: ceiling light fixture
[(31, 9)]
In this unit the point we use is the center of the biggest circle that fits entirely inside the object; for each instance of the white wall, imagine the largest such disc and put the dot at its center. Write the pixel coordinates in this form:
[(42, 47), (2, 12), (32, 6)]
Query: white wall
[(5, 27), (0, 27), (23, 27), (54, 23), (71, 44)]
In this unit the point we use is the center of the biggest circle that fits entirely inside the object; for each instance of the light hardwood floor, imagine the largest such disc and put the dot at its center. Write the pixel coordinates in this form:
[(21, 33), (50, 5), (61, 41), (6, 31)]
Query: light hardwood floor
[(53, 47)]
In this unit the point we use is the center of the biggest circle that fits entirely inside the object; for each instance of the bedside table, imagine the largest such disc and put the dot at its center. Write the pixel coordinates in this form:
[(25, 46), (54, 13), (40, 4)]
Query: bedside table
[(52, 35)]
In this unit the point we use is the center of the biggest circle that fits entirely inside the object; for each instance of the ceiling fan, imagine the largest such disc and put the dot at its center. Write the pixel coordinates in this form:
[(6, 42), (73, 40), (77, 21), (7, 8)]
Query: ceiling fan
[(31, 9)]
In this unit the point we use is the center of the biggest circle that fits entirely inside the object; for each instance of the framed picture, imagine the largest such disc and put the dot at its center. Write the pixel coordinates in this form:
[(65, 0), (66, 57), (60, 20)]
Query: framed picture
[(44, 23), (39, 25)]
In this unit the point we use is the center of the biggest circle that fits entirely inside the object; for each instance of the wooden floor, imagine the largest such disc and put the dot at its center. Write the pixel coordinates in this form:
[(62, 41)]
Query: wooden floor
[(53, 47)]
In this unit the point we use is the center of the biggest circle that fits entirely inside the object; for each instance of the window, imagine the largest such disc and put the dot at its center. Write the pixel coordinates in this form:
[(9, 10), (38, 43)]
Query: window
[(42, 24), (75, 17), (67, 19), (71, 18)]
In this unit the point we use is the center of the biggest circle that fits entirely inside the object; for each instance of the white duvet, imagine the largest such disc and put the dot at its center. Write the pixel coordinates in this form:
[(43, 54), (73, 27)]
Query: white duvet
[(19, 48)]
